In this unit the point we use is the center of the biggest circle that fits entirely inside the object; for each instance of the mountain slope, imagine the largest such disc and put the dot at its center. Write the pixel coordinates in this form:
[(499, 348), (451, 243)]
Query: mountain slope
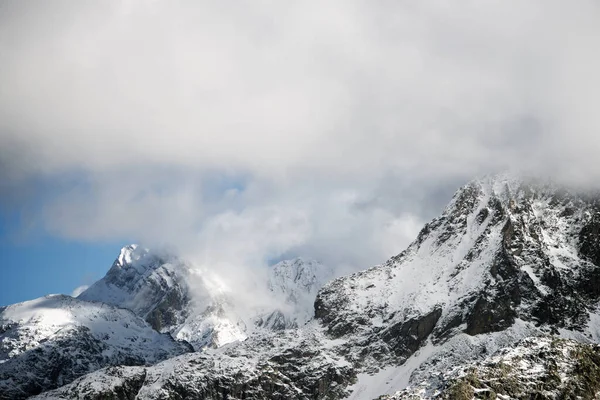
[(50, 341), (293, 285)]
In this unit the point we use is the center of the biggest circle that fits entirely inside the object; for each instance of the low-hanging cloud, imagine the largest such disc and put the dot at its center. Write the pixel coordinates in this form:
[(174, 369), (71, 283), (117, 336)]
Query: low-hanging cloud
[(338, 127)]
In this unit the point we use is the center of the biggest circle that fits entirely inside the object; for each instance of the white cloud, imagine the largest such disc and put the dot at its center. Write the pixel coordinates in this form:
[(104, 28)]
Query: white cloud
[(352, 87), (341, 117), (78, 290)]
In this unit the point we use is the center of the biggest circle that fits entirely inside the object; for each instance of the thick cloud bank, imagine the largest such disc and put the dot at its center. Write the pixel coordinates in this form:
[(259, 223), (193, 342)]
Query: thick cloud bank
[(250, 131)]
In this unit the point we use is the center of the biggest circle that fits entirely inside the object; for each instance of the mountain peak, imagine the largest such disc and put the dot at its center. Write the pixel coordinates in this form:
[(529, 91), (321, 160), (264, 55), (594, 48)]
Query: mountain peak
[(47, 342), (175, 296)]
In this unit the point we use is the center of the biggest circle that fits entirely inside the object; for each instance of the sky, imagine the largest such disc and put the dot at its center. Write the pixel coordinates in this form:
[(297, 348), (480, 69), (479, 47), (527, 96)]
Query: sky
[(248, 132)]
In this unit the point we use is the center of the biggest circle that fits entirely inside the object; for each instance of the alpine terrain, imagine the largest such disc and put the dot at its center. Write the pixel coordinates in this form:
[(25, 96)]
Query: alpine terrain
[(497, 298)]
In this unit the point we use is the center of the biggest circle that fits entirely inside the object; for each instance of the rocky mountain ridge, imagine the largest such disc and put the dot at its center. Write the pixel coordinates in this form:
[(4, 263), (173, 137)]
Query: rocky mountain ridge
[(193, 303), (502, 250)]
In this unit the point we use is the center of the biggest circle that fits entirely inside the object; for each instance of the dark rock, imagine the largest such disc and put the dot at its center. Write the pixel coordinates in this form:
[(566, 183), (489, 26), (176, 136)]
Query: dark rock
[(589, 241), (490, 315), (482, 216), (406, 337), (169, 309)]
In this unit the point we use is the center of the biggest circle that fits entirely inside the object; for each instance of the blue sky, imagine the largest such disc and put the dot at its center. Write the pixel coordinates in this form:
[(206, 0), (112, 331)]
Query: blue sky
[(37, 264), (36, 261)]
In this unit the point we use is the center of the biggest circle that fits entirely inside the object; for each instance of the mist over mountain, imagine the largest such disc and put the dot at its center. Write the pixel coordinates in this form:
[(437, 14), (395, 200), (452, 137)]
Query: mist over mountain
[(277, 131), (509, 271), (312, 200), (205, 307)]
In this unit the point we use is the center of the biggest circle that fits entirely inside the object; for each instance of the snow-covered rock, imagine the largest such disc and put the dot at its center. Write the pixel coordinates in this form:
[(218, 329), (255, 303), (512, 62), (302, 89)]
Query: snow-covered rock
[(285, 364), (293, 285), (50, 341), (153, 286), (537, 368)]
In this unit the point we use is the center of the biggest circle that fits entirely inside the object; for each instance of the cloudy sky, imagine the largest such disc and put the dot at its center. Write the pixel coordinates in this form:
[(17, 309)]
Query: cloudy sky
[(247, 132)]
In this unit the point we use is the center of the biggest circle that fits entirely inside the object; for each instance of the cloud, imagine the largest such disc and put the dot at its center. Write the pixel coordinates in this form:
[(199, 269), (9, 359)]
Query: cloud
[(78, 290), (335, 130), (264, 86)]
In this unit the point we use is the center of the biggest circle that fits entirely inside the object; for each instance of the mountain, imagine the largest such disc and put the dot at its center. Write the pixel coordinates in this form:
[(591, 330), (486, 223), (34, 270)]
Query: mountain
[(506, 260), (284, 364), (193, 303), (510, 264), (153, 286), (50, 341), (504, 252)]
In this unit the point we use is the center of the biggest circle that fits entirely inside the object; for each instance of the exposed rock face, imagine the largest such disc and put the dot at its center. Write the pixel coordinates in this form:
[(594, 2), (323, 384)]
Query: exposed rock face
[(154, 287), (406, 337), (169, 311), (117, 383)]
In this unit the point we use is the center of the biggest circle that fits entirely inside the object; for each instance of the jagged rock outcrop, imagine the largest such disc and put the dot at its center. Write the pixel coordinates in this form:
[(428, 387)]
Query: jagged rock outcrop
[(538, 368), (155, 287), (116, 383), (406, 337)]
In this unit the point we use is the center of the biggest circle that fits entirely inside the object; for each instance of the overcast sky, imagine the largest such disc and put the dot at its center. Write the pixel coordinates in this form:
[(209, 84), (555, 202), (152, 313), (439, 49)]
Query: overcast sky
[(243, 132)]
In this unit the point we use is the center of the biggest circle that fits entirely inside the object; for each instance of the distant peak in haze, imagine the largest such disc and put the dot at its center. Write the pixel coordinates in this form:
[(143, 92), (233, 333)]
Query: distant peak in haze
[(176, 296)]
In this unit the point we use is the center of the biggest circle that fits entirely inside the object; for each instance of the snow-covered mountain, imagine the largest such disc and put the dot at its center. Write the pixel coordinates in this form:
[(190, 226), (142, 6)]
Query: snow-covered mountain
[(509, 264), (193, 304), (294, 284), (502, 251), (152, 286), (131, 316), (50, 341), (507, 259)]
